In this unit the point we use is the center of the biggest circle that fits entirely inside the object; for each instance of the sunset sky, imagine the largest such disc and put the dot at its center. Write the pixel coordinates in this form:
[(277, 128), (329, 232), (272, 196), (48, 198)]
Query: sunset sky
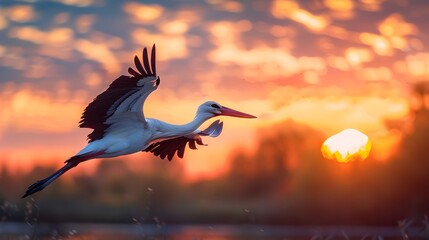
[(329, 64)]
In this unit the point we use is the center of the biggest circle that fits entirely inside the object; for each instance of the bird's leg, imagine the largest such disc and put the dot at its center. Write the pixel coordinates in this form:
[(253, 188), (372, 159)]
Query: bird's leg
[(69, 164)]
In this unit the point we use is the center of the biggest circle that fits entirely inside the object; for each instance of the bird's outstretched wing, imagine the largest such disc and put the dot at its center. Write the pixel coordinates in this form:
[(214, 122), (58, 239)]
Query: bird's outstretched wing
[(168, 148), (125, 94)]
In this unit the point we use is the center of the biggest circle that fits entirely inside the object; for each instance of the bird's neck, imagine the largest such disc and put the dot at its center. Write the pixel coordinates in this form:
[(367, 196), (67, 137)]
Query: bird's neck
[(167, 130), (194, 124)]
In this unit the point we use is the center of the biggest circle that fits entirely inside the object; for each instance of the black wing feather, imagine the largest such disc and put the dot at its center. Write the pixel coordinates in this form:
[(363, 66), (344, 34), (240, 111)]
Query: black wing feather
[(134, 73), (168, 148), (152, 60), (139, 66), (104, 105), (192, 145), (146, 62)]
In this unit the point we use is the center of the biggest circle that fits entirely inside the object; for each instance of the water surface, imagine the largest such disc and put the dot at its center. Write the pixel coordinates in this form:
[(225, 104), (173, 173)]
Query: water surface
[(95, 231)]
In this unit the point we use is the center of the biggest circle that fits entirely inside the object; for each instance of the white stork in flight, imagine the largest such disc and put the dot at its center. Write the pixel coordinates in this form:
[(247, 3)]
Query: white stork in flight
[(120, 127)]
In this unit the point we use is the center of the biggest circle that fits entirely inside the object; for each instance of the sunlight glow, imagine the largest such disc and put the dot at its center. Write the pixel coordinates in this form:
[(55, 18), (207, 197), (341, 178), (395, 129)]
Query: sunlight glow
[(346, 146)]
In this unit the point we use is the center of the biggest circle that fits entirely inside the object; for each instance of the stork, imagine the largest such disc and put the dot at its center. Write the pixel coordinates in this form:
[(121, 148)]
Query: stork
[(119, 126)]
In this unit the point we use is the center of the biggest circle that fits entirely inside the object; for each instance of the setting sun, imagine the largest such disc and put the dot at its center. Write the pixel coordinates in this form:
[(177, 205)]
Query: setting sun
[(346, 146)]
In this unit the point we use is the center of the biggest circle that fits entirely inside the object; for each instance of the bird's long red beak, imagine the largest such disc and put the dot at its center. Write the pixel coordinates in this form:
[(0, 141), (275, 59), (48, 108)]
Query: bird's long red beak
[(234, 113)]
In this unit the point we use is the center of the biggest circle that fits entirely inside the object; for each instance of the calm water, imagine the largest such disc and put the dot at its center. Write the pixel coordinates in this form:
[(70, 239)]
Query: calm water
[(10, 230)]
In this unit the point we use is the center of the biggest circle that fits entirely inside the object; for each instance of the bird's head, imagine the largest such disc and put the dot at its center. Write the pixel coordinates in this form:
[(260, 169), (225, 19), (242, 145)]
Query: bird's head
[(214, 109)]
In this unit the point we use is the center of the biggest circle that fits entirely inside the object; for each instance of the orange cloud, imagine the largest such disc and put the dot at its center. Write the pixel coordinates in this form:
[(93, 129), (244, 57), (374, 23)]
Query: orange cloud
[(175, 27), (54, 43), (30, 110), (283, 8), (143, 13), (38, 67), (84, 23), (290, 9), (61, 18), (282, 31), (30, 34), (328, 110), (396, 30), (55, 36), (3, 20), (371, 5), (379, 44), (376, 74), (100, 53), (358, 56), (417, 64), (345, 5), (79, 3), (395, 24), (91, 77), (262, 62), (343, 9), (172, 46), (228, 5), (21, 13)]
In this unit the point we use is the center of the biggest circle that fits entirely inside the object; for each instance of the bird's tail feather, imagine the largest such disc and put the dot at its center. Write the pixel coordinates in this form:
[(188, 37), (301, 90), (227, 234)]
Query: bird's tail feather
[(69, 164)]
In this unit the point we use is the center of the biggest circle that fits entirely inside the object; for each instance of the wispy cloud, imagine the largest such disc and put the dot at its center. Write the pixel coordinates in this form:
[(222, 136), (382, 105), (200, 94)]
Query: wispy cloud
[(55, 36), (101, 53)]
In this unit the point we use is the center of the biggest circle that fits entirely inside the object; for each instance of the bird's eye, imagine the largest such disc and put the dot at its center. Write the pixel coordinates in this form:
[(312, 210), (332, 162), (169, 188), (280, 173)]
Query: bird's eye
[(215, 106)]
